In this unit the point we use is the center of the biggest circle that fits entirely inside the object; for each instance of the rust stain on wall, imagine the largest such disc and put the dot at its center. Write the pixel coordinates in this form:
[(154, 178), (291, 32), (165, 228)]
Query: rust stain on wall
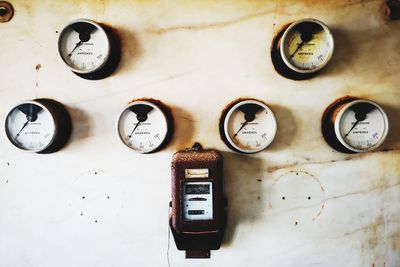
[(374, 235), (239, 171), (37, 68), (284, 10), (142, 25), (359, 156), (204, 26), (184, 130), (131, 51)]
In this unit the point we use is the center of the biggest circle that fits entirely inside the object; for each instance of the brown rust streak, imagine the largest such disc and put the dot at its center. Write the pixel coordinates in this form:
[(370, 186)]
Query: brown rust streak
[(346, 195), (352, 157), (320, 211), (37, 68), (295, 164), (360, 2), (203, 26), (369, 226), (334, 3), (221, 24), (378, 188), (304, 172)]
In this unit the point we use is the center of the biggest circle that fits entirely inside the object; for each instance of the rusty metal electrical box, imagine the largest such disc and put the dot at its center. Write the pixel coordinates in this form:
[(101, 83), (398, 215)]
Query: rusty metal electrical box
[(198, 217)]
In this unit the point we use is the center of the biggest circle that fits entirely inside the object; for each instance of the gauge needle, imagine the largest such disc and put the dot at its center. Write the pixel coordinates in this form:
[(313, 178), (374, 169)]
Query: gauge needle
[(354, 125), (250, 111), (137, 124), (305, 37), (84, 36), (243, 124), (360, 115), (26, 123), (141, 118), (76, 46), (31, 112), (141, 115)]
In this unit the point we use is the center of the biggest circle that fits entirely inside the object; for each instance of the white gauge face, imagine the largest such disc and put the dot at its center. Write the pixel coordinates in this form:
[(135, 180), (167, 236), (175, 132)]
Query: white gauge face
[(361, 126), (142, 126), (307, 46), (30, 126), (250, 126), (84, 46)]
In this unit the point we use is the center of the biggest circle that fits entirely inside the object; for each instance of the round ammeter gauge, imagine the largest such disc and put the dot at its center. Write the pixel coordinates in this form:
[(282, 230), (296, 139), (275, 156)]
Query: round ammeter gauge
[(88, 49), (356, 125), (303, 48), (145, 125), (248, 126), (40, 125)]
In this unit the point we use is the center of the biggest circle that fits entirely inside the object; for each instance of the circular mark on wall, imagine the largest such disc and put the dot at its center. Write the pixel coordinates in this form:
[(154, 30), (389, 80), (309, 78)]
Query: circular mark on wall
[(95, 197), (299, 194)]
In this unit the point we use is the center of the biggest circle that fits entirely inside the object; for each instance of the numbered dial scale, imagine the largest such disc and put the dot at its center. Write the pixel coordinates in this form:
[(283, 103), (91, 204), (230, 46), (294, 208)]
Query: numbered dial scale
[(248, 126), (88, 48), (304, 47), (357, 125), (145, 125), (40, 125)]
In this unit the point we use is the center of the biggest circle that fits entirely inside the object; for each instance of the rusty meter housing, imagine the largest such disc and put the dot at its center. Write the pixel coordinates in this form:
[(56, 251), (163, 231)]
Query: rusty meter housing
[(198, 216)]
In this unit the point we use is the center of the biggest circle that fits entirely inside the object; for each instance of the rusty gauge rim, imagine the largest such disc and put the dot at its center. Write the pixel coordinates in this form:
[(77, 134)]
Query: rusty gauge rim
[(307, 46), (248, 126), (84, 46), (144, 126), (361, 125)]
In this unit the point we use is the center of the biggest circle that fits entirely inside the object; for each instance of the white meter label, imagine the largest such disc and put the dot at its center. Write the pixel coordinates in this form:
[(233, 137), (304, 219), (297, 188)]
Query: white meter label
[(197, 201), (196, 173)]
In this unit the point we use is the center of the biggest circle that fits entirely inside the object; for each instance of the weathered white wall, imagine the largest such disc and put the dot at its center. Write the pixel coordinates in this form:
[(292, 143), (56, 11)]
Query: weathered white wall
[(197, 56)]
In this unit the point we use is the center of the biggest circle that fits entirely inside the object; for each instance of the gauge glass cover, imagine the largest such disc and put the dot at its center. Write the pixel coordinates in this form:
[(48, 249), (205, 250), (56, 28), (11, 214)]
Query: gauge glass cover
[(256, 134), (84, 46), (30, 126), (368, 133), (307, 46), (142, 136)]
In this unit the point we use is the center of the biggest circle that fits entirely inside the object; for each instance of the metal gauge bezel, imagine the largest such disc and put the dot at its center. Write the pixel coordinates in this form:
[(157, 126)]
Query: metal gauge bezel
[(288, 30), (101, 29), (156, 107), (233, 108), (340, 116), (54, 133)]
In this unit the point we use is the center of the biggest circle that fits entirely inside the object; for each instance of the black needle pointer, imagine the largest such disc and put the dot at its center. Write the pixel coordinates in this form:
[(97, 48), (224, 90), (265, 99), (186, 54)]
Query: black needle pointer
[(361, 110), (26, 123), (243, 124), (306, 31), (141, 112), (31, 112), (354, 125), (137, 124), (305, 38), (249, 111), (84, 36)]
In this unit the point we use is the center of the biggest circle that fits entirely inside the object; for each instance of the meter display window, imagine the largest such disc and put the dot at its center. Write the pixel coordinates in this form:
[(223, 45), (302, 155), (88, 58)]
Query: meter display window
[(197, 201), (196, 189)]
